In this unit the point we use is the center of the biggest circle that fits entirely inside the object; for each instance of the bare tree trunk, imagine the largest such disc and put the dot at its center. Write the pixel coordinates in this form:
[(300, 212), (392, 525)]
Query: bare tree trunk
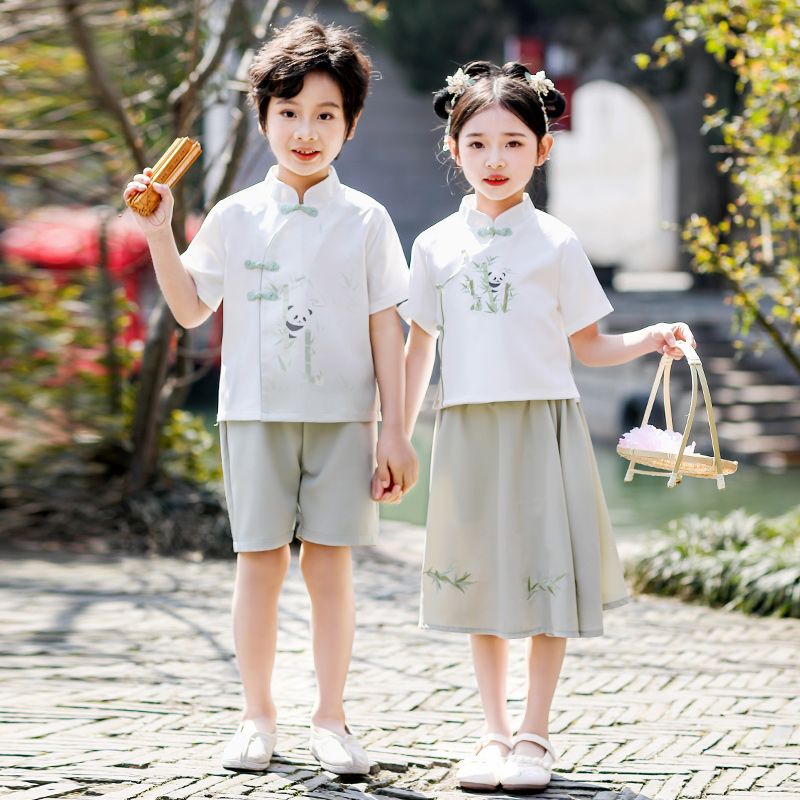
[(157, 397)]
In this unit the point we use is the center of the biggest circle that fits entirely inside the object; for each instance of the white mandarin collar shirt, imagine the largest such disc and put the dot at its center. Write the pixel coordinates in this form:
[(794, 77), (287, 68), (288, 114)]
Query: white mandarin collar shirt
[(299, 282), (503, 296)]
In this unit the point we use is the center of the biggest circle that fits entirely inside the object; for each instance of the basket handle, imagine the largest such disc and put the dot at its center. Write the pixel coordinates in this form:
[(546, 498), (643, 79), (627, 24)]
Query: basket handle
[(696, 369)]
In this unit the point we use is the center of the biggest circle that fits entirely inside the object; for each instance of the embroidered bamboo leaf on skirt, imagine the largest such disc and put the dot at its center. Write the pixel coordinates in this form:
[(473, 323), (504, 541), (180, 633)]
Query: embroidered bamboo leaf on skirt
[(460, 582), (544, 585)]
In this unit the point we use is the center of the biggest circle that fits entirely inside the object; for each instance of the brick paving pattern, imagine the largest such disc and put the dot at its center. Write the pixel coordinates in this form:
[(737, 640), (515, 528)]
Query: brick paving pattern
[(119, 682)]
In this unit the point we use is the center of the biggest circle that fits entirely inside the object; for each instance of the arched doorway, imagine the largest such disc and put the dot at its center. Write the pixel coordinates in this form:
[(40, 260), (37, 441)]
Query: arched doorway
[(613, 179)]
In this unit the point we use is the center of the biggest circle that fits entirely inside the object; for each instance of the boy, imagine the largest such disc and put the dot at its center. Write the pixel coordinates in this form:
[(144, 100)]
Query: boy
[(311, 272)]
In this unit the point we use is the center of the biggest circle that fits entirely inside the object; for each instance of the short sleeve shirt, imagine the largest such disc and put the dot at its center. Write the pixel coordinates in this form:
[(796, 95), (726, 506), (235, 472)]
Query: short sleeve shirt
[(299, 281), (503, 296)]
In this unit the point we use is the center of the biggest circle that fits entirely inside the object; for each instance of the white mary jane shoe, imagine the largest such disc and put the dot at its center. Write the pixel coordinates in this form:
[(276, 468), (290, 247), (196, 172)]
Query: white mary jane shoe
[(250, 748), (482, 770), (342, 755), (528, 773)]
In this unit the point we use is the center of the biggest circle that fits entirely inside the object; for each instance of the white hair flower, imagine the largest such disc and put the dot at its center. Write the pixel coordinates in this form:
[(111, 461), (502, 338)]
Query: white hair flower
[(459, 82), (539, 82)]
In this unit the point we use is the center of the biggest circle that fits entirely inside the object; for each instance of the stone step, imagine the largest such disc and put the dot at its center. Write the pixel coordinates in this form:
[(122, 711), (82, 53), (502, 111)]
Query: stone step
[(786, 393), (734, 430), (765, 444), (744, 412)]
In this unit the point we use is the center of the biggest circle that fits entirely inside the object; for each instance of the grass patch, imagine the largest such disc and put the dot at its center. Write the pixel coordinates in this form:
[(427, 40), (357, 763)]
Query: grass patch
[(740, 561)]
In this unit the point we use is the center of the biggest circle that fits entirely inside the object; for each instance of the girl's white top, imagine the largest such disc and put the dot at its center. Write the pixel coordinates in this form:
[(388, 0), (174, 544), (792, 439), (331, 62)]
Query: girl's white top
[(503, 296), (299, 282)]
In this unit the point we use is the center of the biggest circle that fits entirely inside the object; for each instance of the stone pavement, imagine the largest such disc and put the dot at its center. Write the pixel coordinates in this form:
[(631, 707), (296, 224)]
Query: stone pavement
[(119, 681)]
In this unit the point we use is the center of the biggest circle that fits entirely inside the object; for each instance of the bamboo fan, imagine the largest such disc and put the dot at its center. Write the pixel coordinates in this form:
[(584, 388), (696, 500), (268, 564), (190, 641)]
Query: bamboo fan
[(169, 169), (680, 464)]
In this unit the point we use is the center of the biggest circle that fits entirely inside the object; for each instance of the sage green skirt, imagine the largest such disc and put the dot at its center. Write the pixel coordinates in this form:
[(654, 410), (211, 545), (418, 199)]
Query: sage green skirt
[(519, 540)]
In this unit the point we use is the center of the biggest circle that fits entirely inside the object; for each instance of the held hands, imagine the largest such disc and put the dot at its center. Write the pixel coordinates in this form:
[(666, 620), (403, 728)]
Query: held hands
[(398, 468), (160, 220), (663, 337)]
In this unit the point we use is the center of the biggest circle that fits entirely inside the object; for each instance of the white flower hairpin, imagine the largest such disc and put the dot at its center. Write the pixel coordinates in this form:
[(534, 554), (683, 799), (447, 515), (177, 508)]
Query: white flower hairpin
[(539, 82), (459, 82)]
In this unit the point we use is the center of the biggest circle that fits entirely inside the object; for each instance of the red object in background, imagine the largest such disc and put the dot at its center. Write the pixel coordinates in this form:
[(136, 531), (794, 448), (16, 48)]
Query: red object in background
[(63, 238), (535, 54)]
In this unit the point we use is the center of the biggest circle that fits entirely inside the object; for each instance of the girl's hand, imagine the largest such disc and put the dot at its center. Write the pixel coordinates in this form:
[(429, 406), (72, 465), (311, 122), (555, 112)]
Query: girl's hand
[(665, 335), (160, 221), (398, 468)]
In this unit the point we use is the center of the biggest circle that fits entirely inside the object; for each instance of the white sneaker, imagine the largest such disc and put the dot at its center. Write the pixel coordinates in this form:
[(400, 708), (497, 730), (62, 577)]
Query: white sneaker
[(482, 770), (250, 748), (528, 773), (342, 755)]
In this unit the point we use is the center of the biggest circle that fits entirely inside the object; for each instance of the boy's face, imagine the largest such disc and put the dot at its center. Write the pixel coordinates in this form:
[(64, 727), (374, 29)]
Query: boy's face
[(306, 132)]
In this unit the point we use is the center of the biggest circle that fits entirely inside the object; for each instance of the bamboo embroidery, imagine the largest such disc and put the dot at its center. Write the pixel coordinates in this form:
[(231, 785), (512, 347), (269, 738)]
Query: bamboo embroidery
[(490, 290), (460, 582), (545, 585)]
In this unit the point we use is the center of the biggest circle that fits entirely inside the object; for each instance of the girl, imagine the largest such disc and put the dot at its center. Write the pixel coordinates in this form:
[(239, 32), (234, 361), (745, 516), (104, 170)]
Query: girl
[(519, 542), (311, 272)]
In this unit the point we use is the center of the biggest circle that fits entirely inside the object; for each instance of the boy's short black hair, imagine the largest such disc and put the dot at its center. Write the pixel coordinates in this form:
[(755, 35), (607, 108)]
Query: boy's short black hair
[(305, 45)]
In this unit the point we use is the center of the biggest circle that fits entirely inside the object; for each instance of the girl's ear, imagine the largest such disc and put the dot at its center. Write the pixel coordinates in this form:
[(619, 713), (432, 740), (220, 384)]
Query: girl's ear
[(545, 146), (452, 146), (353, 127)]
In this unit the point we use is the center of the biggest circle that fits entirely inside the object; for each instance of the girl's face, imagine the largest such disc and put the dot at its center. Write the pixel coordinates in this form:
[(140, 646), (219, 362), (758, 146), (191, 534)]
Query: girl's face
[(306, 132), (497, 152)]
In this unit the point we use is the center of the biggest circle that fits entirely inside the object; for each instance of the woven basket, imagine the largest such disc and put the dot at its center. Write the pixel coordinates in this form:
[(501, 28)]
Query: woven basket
[(677, 465)]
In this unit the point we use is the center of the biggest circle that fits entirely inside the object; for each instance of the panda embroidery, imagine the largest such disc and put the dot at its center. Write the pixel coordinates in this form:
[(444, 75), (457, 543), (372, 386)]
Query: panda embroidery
[(296, 320), (489, 289), (297, 342), (495, 279)]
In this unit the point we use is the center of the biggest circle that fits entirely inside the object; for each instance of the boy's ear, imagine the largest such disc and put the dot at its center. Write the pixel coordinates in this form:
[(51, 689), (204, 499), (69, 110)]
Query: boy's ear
[(352, 132)]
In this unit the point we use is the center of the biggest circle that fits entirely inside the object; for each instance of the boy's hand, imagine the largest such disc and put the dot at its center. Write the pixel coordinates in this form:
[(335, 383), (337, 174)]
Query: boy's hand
[(398, 468), (665, 335), (160, 220)]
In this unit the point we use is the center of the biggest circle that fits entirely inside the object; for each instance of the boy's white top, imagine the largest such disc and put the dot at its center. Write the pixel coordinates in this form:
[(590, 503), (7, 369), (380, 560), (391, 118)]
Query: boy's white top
[(503, 295), (299, 282)]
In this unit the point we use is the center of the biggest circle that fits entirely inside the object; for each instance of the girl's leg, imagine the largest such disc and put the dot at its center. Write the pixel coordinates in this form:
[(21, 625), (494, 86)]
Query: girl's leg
[(259, 577), (329, 577), (545, 657), (490, 660)]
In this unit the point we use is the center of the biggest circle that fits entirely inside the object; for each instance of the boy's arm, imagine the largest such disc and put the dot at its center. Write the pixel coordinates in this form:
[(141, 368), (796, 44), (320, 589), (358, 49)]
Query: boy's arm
[(596, 349), (420, 355), (176, 283), (397, 468)]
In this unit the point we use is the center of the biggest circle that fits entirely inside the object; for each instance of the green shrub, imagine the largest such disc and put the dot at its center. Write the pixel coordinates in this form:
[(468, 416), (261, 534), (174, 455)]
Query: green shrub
[(740, 561)]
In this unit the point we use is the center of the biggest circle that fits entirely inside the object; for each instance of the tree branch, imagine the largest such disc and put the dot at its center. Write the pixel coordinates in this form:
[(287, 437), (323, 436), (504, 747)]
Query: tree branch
[(100, 83), (183, 97)]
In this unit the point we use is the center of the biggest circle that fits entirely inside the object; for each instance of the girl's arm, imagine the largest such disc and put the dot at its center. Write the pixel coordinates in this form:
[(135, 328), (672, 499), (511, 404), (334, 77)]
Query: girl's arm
[(397, 468), (176, 283), (597, 349), (420, 355)]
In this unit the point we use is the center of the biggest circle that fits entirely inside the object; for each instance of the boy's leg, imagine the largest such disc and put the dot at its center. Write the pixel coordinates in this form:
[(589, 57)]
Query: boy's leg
[(545, 657), (329, 577), (259, 577), (490, 661)]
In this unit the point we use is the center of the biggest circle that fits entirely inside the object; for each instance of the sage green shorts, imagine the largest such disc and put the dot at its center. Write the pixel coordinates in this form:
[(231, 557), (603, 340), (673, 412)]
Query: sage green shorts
[(311, 479)]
